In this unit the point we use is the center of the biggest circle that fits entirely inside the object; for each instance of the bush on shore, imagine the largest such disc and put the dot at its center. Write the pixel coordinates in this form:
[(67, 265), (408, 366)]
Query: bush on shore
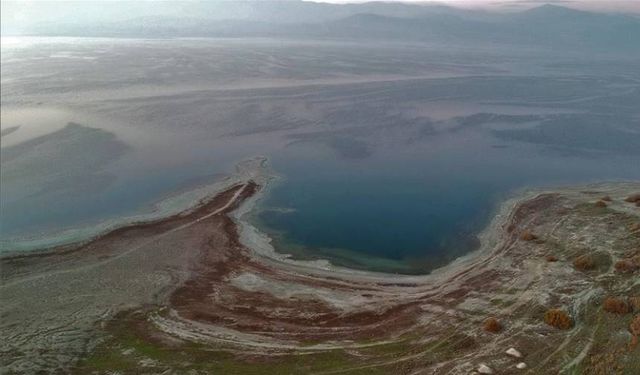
[(634, 328), (551, 258), (616, 305), (633, 198), (526, 235), (558, 318), (601, 203), (626, 266), (492, 325), (584, 263)]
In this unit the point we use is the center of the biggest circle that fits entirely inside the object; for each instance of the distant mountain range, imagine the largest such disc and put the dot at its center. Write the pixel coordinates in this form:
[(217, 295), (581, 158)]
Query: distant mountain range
[(546, 25)]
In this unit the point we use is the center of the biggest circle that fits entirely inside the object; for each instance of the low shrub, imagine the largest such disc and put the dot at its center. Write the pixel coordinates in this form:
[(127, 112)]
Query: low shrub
[(616, 305), (584, 263), (635, 303), (601, 203), (492, 325), (526, 235), (551, 258), (606, 198), (558, 318), (633, 198), (634, 328), (626, 266)]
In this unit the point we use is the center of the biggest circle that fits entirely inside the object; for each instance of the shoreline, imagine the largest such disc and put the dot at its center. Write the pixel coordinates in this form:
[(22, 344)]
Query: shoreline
[(207, 277), (256, 169), (178, 204)]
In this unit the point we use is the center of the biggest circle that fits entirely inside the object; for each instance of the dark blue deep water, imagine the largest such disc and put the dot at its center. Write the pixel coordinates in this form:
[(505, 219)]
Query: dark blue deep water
[(410, 210)]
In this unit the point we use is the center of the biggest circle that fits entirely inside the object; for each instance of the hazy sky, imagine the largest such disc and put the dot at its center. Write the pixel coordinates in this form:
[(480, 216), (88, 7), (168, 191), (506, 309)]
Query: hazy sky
[(600, 5)]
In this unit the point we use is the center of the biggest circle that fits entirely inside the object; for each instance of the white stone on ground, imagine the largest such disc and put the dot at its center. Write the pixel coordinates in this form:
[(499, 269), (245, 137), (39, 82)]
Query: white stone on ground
[(521, 366), (514, 353), (484, 369)]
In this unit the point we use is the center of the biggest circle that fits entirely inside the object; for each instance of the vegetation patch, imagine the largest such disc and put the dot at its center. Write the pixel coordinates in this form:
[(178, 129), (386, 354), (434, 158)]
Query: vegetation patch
[(616, 305), (584, 263), (633, 198), (601, 203), (634, 328), (558, 318), (526, 235), (626, 266), (551, 258), (492, 325)]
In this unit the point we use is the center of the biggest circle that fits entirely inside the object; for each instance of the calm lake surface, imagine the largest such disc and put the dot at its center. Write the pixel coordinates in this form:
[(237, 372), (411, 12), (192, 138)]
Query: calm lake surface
[(396, 166), (411, 210)]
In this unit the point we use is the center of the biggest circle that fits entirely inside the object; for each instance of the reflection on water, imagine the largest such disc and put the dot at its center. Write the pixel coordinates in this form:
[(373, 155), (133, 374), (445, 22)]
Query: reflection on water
[(414, 208), (385, 166)]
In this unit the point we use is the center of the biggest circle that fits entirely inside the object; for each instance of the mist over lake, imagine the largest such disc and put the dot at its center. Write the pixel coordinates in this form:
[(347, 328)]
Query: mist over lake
[(307, 187), (392, 156)]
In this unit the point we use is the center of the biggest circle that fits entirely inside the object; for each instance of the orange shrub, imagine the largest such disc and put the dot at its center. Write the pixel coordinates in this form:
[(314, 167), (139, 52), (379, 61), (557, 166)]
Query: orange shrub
[(616, 305), (551, 258), (634, 198), (626, 266), (601, 204), (526, 235), (558, 318), (584, 263), (492, 325), (635, 302), (634, 328)]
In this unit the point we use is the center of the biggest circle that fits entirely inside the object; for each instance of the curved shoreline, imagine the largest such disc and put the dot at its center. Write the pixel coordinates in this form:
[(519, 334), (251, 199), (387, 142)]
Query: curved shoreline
[(207, 277), (177, 204)]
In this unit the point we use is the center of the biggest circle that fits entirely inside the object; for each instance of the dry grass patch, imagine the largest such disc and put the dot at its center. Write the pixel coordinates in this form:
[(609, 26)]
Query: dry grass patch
[(584, 263), (558, 318), (626, 266), (634, 328), (526, 235), (601, 203), (616, 305), (492, 325), (633, 198)]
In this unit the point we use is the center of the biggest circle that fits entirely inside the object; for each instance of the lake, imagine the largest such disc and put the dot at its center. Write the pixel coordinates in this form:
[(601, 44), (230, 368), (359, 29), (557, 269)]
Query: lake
[(395, 166)]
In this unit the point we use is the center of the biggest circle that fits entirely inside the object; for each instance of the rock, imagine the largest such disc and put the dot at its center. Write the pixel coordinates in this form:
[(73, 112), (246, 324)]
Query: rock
[(521, 366), (484, 369), (514, 353)]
